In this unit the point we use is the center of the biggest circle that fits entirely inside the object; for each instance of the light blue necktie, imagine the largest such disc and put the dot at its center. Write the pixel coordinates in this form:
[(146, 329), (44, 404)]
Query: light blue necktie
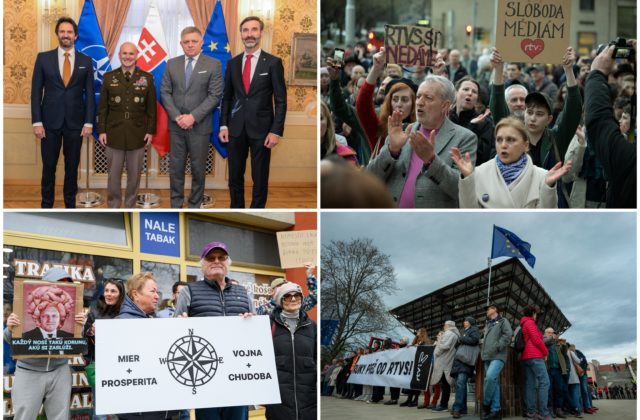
[(188, 71)]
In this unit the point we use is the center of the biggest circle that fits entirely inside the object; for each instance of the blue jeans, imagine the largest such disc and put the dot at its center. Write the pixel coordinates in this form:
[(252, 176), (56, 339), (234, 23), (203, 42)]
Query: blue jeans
[(240, 412), (586, 395), (535, 371), (557, 384), (460, 404), (574, 397), (492, 369)]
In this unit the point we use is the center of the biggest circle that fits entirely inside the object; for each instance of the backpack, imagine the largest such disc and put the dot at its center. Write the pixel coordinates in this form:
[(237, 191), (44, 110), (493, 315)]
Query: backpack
[(518, 342)]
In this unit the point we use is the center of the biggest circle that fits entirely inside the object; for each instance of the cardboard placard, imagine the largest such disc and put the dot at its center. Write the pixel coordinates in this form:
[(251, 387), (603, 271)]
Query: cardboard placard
[(175, 363), (297, 248), (533, 31), (43, 305), (411, 45)]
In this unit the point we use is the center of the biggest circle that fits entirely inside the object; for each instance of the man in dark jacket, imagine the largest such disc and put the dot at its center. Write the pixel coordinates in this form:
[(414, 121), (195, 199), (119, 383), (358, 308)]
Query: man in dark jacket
[(617, 156), (462, 370), (495, 343), (216, 295)]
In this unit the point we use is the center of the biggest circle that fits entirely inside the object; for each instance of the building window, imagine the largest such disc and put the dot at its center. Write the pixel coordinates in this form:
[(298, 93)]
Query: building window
[(586, 42), (587, 5)]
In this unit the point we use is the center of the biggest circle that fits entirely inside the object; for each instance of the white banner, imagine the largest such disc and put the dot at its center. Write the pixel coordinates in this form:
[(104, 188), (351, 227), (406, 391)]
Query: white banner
[(409, 367), (176, 363)]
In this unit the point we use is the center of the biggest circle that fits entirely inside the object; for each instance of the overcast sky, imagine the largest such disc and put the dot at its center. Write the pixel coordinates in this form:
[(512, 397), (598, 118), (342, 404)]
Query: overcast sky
[(585, 261)]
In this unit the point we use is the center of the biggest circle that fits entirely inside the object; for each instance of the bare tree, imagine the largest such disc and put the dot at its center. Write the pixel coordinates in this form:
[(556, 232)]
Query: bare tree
[(355, 276)]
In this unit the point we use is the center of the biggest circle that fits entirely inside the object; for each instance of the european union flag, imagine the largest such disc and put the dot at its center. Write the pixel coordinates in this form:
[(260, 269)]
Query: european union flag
[(328, 328), (91, 43), (507, 244), (216, 45)]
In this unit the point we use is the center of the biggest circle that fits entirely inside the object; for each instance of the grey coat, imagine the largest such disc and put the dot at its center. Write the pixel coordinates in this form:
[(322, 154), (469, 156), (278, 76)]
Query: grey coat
[(496, 339), (437, 184), (199, 98), (445, 353)]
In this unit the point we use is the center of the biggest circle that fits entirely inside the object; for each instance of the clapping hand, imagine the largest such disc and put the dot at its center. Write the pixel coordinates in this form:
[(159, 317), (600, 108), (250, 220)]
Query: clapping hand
[(557, 172), (464, 164), (397, 137)]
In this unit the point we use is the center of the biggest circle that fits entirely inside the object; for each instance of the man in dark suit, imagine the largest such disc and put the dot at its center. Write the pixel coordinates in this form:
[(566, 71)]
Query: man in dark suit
[(126, 123), (62, 108), (253, 82), (190, 90)]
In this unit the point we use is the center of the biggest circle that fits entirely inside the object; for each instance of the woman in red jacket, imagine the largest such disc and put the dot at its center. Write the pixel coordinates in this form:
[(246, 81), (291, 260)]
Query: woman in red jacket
[(535, 370)]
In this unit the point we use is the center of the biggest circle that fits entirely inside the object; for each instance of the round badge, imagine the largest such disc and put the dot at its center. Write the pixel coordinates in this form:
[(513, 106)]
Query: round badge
[(117, 99), (141, 100), (136, 99), (485, 197)]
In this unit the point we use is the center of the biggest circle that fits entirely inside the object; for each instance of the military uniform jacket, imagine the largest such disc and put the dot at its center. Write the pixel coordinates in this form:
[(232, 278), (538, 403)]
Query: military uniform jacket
[(127, 110)]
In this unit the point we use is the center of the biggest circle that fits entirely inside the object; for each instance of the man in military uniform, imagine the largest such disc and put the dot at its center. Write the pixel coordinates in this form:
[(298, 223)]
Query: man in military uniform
[(126, 123)]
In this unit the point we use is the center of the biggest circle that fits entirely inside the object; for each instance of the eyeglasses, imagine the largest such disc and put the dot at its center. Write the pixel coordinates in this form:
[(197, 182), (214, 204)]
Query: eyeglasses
[(212, 258), (289, 298)]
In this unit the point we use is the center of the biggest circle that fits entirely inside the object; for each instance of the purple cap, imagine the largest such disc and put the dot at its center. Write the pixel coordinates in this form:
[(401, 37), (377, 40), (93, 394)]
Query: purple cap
[(213, 245)]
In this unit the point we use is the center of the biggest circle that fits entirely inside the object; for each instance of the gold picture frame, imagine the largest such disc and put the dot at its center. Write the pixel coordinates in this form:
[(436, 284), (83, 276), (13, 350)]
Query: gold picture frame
[(303, 68)]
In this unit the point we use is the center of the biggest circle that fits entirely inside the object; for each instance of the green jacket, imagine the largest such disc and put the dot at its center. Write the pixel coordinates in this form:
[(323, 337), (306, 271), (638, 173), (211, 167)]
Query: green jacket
[(496, 338), (127, 110), (561, 133), (347, 113)]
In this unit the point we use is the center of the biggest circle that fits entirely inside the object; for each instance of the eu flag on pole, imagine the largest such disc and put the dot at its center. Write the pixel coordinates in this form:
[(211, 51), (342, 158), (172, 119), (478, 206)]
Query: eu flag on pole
[(90, 43), (216, 45), (328, 328), (507, 244)]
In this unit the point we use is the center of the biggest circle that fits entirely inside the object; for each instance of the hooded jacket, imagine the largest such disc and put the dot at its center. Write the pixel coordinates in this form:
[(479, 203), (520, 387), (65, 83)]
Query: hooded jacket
[(130, 310), (534, 347), (295, 353), (444, 353), (496, 339), (470, 337)]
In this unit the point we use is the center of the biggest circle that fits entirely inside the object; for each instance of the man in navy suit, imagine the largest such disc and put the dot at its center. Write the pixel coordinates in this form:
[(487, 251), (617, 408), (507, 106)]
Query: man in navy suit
[(253, 83), (62, 110)]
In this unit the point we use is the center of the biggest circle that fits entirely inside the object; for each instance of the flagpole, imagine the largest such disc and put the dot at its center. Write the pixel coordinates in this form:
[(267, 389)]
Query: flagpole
[(147, 200), (88, 199), (489, 285)]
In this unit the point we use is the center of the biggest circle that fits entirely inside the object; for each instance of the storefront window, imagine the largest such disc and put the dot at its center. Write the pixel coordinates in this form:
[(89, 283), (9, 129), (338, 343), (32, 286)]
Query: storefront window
[(91, 270), (245, 245), (166, 275), (95, 227)]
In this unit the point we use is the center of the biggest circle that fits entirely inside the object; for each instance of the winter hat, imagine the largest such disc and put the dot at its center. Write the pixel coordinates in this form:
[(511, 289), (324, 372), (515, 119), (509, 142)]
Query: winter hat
[(286, 289), (277, 282), (55, 274), (471, 320), (450, 324)]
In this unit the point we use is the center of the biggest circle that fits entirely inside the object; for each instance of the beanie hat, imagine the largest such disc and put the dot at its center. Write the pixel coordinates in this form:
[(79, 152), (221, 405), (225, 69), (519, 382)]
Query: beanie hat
[(286, 289)]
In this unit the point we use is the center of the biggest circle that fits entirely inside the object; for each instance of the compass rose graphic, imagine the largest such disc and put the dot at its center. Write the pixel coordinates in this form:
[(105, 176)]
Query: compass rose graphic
[(192, 361)]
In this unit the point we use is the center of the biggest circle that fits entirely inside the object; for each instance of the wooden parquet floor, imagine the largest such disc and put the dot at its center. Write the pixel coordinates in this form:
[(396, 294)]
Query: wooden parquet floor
[(28, 197)]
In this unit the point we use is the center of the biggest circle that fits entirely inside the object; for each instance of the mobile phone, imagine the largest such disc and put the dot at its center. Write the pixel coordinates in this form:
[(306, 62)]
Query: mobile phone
[(338, 57)]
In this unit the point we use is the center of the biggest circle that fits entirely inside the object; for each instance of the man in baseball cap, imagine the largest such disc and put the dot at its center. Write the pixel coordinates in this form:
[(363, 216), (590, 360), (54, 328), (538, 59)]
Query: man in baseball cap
[(495, 344), (215, 295)]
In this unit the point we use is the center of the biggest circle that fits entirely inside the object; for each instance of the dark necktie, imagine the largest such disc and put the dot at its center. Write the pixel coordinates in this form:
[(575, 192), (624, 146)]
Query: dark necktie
[(246, 73), (188, 71), (127, 76)]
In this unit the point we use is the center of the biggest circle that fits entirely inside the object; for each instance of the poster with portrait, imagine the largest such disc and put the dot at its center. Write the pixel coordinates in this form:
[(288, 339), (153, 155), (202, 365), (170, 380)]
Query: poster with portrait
[(47, 319)]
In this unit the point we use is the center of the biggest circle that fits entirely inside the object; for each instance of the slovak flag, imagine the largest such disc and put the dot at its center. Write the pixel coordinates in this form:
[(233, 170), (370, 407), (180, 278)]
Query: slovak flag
[(152, 57)]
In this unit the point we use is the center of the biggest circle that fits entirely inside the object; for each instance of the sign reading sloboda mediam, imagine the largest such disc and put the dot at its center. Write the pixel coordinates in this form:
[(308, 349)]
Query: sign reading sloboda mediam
[(168, 364)]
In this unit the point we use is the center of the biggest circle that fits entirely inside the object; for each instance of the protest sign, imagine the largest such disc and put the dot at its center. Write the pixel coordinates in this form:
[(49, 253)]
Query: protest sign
[(47, 319), (533, 31), (411, 45), (409, 367), (174, 363), (297, 247)]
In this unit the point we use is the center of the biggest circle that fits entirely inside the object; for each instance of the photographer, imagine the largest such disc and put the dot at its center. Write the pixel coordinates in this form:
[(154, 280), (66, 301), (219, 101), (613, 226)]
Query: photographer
[(618, 157)]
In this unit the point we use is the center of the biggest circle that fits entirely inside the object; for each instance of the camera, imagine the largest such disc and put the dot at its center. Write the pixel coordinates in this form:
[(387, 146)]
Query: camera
[(338, 57), (622, 49)]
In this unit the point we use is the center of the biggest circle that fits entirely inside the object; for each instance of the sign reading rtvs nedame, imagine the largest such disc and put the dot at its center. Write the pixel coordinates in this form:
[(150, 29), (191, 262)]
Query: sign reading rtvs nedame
[(168, 364)]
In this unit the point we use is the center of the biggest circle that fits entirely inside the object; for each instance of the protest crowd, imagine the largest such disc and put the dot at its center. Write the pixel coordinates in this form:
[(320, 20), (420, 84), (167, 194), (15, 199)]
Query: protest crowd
[(555, 376), (476, 131), (45, 383)]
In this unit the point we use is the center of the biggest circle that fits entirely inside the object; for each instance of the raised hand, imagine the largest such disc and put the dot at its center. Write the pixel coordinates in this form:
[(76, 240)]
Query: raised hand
[(334, 71), (423, 146), (580, 134), (464, 164), (498, 66), (557, 172), (481, 117), (438, 66), (397, 137), (569, 58)]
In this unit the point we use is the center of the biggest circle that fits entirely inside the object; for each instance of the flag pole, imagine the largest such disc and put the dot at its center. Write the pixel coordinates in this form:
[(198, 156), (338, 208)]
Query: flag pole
[(147, 200), (88, 199), (489, 285)]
